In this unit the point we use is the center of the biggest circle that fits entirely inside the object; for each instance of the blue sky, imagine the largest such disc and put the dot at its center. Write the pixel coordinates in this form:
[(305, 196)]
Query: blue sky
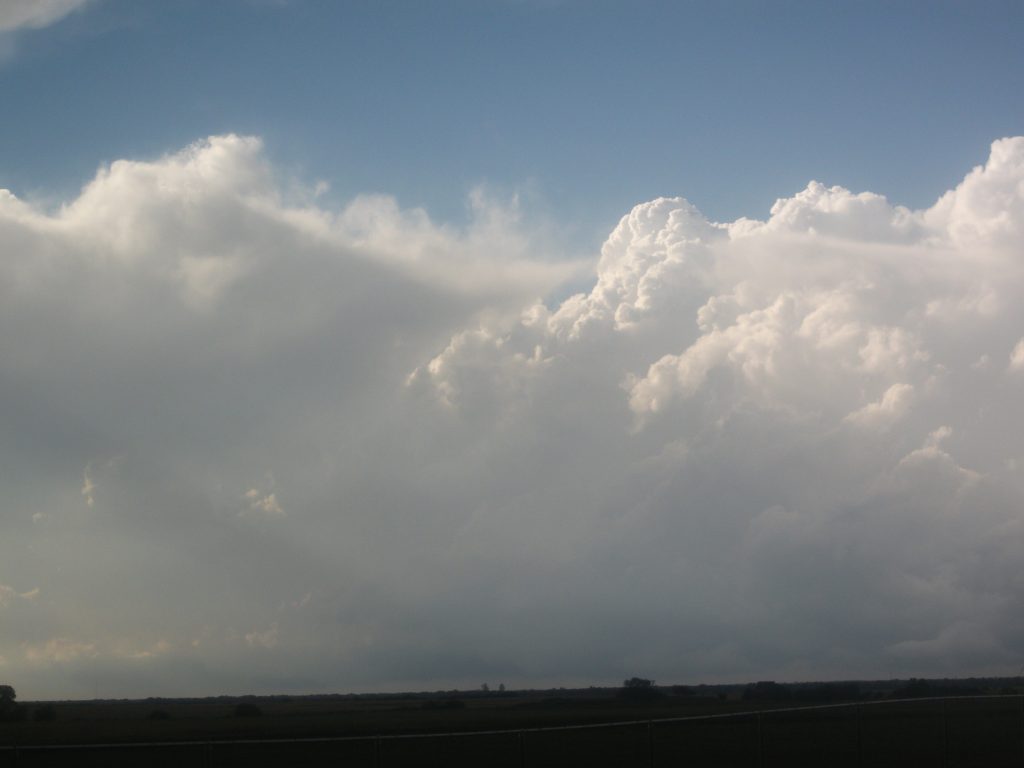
[(585, 108), (409, 434)]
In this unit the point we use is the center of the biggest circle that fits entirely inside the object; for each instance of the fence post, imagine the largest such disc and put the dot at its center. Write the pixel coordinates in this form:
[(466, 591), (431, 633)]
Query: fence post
[(376, 751), (522, 750), (650, 744)]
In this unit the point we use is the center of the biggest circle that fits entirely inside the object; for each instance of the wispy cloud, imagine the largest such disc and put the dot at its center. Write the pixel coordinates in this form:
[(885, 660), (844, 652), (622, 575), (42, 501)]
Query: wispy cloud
[(34, 14)]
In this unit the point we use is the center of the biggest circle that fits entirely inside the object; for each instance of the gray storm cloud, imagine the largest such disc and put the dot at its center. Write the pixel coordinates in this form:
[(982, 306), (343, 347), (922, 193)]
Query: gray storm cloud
[(256, 445)]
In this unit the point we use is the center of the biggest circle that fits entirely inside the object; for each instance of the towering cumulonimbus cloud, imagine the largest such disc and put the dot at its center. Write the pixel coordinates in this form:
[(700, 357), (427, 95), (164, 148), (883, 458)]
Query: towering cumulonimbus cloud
[(257, 445), (814, 422)]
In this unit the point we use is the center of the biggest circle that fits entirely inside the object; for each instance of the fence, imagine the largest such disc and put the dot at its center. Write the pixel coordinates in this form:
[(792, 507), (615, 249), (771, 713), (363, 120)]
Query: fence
[(941, 732)]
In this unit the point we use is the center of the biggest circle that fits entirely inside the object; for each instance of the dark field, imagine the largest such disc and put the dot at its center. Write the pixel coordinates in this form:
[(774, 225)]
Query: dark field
[(396, 731)]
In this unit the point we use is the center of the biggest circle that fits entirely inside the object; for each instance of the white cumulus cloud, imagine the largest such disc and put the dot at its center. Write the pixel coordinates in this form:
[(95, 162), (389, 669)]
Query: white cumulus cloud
[(714, 365), (752, 449)]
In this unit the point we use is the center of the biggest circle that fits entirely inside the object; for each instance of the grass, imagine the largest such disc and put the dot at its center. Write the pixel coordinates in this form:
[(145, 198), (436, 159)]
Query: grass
[(964, 732)]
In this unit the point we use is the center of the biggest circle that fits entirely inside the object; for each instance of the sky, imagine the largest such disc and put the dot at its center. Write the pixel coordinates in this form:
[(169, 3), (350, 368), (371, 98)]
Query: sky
[(383, 346)]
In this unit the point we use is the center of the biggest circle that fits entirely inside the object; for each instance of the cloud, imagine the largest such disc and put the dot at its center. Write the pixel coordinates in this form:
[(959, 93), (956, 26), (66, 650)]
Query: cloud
[(33, 14), (1017, 357), (259, 503), (157, 649), (715, 366), (60, 650), (9, 595), (88, 488), (267, 638), (201, 325), (880, 414), (779, 448)]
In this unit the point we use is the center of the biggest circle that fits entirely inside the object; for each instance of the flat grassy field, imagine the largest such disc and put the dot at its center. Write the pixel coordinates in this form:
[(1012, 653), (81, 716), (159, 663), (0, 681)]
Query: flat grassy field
[(963, 732)]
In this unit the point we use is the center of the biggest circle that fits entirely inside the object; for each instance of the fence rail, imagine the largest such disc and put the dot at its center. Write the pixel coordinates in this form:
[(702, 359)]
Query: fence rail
[(773, 730)]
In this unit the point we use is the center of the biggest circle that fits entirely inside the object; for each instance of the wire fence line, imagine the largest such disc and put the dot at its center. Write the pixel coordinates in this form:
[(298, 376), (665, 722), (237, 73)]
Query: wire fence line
[(758, 717)]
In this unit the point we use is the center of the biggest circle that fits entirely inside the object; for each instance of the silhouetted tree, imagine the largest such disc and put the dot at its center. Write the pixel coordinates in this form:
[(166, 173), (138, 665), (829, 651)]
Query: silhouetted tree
[(9, 709), (638, 688), (638, 683)]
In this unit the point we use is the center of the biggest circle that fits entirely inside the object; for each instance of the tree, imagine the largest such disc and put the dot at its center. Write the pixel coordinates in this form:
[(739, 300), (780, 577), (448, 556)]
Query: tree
[(9, 710), (638, 688), (638, 683)]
